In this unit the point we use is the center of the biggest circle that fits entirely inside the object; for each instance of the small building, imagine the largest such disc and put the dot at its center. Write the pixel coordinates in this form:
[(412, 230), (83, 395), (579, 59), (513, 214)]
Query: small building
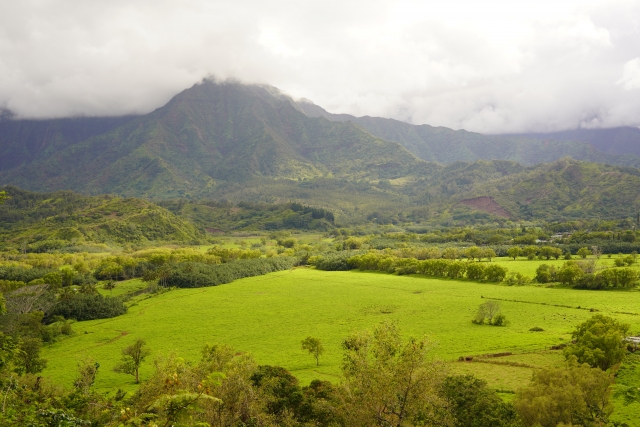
[(634, 341)]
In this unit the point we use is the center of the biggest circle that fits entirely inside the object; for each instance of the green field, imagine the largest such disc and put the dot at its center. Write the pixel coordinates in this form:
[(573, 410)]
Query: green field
[(528, 267), (269, 315)]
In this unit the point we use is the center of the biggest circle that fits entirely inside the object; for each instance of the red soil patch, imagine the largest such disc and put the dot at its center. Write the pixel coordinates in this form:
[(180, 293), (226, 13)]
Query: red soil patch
[(214, 231), (488, 205)]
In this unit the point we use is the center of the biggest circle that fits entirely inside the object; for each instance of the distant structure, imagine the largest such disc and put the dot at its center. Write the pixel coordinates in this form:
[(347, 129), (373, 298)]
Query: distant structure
[(635, 341)]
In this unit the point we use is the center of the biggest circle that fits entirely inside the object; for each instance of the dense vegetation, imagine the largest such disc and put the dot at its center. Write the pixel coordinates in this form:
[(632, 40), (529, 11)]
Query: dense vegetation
[(245, 184), (440, 144), (252, 144)]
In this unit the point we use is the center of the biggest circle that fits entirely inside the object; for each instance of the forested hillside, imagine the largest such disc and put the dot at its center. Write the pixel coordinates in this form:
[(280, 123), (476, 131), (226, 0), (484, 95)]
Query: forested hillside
[(621, 140), (209, 135), (25, 141), (41, 222), (444, 145)]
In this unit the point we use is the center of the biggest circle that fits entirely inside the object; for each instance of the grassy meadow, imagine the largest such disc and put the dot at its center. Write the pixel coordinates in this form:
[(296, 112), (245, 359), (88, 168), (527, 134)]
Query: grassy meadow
[(269, 315)]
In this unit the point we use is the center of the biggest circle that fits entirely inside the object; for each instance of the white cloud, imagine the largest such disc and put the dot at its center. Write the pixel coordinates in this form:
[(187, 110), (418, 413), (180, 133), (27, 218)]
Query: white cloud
[(491, 66), (631, 75)]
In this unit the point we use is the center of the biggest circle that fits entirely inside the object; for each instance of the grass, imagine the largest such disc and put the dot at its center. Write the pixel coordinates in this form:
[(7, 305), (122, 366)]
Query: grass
[(268, 316), (123, 287), (528, 267), (627, 376)]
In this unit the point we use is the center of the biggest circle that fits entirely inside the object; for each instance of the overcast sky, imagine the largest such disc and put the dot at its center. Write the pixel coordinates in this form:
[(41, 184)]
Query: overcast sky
[(487, 66)]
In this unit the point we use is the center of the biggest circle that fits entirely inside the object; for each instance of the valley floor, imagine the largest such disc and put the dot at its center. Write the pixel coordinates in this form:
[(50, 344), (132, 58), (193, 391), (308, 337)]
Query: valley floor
[(268, 316)]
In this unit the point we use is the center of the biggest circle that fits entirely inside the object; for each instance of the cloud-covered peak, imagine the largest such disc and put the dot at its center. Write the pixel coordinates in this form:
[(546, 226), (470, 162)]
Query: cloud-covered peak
[(491, 66)]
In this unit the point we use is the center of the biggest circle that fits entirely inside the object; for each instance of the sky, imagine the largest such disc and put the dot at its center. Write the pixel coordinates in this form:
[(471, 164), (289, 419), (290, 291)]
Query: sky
[(487, 66)]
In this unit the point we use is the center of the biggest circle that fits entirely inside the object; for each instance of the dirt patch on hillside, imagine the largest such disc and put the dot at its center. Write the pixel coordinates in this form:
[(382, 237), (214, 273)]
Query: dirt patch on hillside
[(214, 231), (487, 204)]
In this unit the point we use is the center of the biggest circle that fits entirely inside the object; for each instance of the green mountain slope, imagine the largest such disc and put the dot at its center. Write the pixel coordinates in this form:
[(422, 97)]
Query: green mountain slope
[(24, 141), (620, 140), (446, 145), (566, 188), (45, 221), (211, 134)]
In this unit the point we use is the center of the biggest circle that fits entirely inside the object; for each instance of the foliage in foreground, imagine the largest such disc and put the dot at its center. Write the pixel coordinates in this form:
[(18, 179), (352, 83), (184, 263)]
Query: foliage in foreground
[(385, 381), (599, 342), (573, 395)]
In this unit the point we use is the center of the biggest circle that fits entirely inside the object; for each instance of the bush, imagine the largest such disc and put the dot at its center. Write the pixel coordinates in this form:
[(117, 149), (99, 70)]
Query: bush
[(609, 278), (545, 273), (197, 275), (599, 342), (569, 274), (23, 274), (499, 320), (475, 271), (87, 307), (516, 278), (536, 329), (333, 262), (495, 273)]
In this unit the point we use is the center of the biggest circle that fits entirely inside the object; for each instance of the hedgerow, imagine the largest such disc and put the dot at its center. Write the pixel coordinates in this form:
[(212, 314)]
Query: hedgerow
[(197, 275)]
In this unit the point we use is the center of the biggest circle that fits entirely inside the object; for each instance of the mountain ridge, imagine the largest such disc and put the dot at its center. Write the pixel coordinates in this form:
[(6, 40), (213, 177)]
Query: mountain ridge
[(208, 133), (444, 145)]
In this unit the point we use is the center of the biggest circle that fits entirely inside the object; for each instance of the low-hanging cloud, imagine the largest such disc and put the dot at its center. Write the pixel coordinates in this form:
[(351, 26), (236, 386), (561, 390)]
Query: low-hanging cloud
[(494, 66)]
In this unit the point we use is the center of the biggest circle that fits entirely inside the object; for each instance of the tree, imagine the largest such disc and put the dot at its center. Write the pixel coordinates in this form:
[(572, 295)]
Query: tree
[(388, 382), (584, 252), (514, 252), (487, 311), (87, 371), (495, 273), (109, 286), (450, 253), (67, 274), (546, 252), (571, 395), (545, 273), (489, 253), (475, 271), (569, 274), (473, 404), (314, 347), (530, 252), (132, 358), (599, 342), (29, 360), (474, 252)]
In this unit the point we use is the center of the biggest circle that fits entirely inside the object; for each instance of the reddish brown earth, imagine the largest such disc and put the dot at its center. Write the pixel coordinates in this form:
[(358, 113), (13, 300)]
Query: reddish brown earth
[(214, 231), (488, 205)]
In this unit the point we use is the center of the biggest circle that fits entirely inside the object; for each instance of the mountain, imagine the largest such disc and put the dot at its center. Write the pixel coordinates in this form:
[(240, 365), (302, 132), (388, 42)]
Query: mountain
[(234, 142), (444, 145), (208, 135), (25, 141), (620, 140), (564, 189), (46, 221)]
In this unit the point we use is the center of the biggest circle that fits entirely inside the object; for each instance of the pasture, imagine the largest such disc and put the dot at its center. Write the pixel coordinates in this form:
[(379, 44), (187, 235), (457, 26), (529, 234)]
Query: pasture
[(268, 316)]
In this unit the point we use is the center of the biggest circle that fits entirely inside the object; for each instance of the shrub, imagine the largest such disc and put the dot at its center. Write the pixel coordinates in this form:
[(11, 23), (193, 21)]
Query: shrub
[(545, 273), (475, 271), (599, 342), (536, 329), (495, 273), (333, 262), (197, 275), (87, 307), (499, 320), (569, 274), (516, 278)]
